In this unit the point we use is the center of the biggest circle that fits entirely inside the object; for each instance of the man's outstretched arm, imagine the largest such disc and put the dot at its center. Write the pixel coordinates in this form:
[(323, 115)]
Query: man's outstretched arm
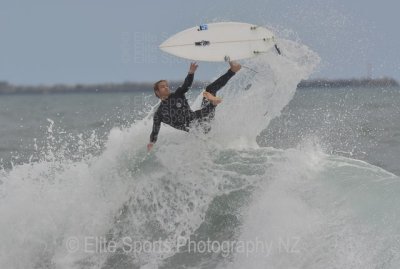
[(155, 131), (188, 80)]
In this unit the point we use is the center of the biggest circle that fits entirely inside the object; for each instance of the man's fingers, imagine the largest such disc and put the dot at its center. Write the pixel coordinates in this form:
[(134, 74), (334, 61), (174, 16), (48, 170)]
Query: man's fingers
[(193, 67)]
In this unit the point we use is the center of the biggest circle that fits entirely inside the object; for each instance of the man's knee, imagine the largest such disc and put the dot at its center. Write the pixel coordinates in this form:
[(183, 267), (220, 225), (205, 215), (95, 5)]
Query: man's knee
[(210, 89)]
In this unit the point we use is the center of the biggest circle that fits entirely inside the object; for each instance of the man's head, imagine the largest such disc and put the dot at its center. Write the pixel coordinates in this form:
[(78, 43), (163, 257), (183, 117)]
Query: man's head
[(161, 89)]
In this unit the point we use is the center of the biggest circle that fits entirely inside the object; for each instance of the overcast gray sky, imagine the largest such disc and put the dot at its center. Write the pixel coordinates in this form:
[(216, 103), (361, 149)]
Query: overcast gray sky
[(94, 41)]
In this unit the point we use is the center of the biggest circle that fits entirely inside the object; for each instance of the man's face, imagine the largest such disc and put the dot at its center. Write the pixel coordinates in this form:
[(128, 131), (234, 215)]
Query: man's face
[(163, 89)]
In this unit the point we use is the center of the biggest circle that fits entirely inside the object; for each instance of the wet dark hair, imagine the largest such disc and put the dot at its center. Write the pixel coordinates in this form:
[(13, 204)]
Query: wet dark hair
[(155, 87)]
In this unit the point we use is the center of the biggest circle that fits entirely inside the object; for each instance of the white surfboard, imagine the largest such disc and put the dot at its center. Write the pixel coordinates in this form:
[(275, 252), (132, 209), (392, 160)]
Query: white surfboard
[(220, 41)]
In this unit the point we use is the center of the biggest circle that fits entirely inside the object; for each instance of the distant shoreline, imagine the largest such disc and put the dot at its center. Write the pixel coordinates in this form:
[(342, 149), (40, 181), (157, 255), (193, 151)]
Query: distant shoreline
[(349, 83), (6, 88)]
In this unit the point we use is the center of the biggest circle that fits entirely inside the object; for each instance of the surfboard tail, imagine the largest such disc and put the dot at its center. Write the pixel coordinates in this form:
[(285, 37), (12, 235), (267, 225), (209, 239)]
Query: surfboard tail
[(278, 49)]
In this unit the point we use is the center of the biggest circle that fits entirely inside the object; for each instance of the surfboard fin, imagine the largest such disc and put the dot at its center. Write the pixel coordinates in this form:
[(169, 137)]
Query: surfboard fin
[(277, 49)]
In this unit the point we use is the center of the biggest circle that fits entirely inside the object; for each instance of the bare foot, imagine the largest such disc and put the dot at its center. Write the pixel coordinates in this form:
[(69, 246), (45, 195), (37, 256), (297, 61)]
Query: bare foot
[(213, 99), (235, 66)]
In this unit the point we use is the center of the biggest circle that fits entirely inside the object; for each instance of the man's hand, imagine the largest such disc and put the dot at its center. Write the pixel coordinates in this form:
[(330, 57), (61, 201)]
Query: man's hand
[(193, 67), (150, 146)]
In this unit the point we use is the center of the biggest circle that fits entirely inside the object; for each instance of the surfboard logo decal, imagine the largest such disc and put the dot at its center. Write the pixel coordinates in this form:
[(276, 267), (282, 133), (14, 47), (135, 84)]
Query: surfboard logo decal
[(202, 27), (202, 43)]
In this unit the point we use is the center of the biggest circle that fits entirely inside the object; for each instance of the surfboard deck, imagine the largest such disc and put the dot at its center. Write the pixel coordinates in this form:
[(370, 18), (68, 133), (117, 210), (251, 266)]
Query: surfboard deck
[(221, 41)]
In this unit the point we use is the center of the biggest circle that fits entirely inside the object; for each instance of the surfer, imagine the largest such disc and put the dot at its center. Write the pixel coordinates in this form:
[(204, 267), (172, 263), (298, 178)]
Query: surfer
[(174, 109)]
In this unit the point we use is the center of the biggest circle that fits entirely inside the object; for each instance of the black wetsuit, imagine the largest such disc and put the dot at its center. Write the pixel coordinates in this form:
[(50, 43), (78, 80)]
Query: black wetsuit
[(175, 110)]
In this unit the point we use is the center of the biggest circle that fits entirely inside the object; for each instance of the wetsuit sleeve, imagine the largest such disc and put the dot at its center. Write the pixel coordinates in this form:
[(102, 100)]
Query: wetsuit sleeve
[(186, 84), (156, 127)]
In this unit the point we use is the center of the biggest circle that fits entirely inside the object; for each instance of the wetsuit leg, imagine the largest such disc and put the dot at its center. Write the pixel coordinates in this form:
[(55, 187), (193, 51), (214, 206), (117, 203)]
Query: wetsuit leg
[(207, 108), (214, 87), (220, 82), (204, 115), (207, 111)]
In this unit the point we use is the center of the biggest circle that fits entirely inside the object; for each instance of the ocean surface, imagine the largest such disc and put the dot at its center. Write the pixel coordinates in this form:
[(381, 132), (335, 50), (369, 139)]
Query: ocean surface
[(287, 178)]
